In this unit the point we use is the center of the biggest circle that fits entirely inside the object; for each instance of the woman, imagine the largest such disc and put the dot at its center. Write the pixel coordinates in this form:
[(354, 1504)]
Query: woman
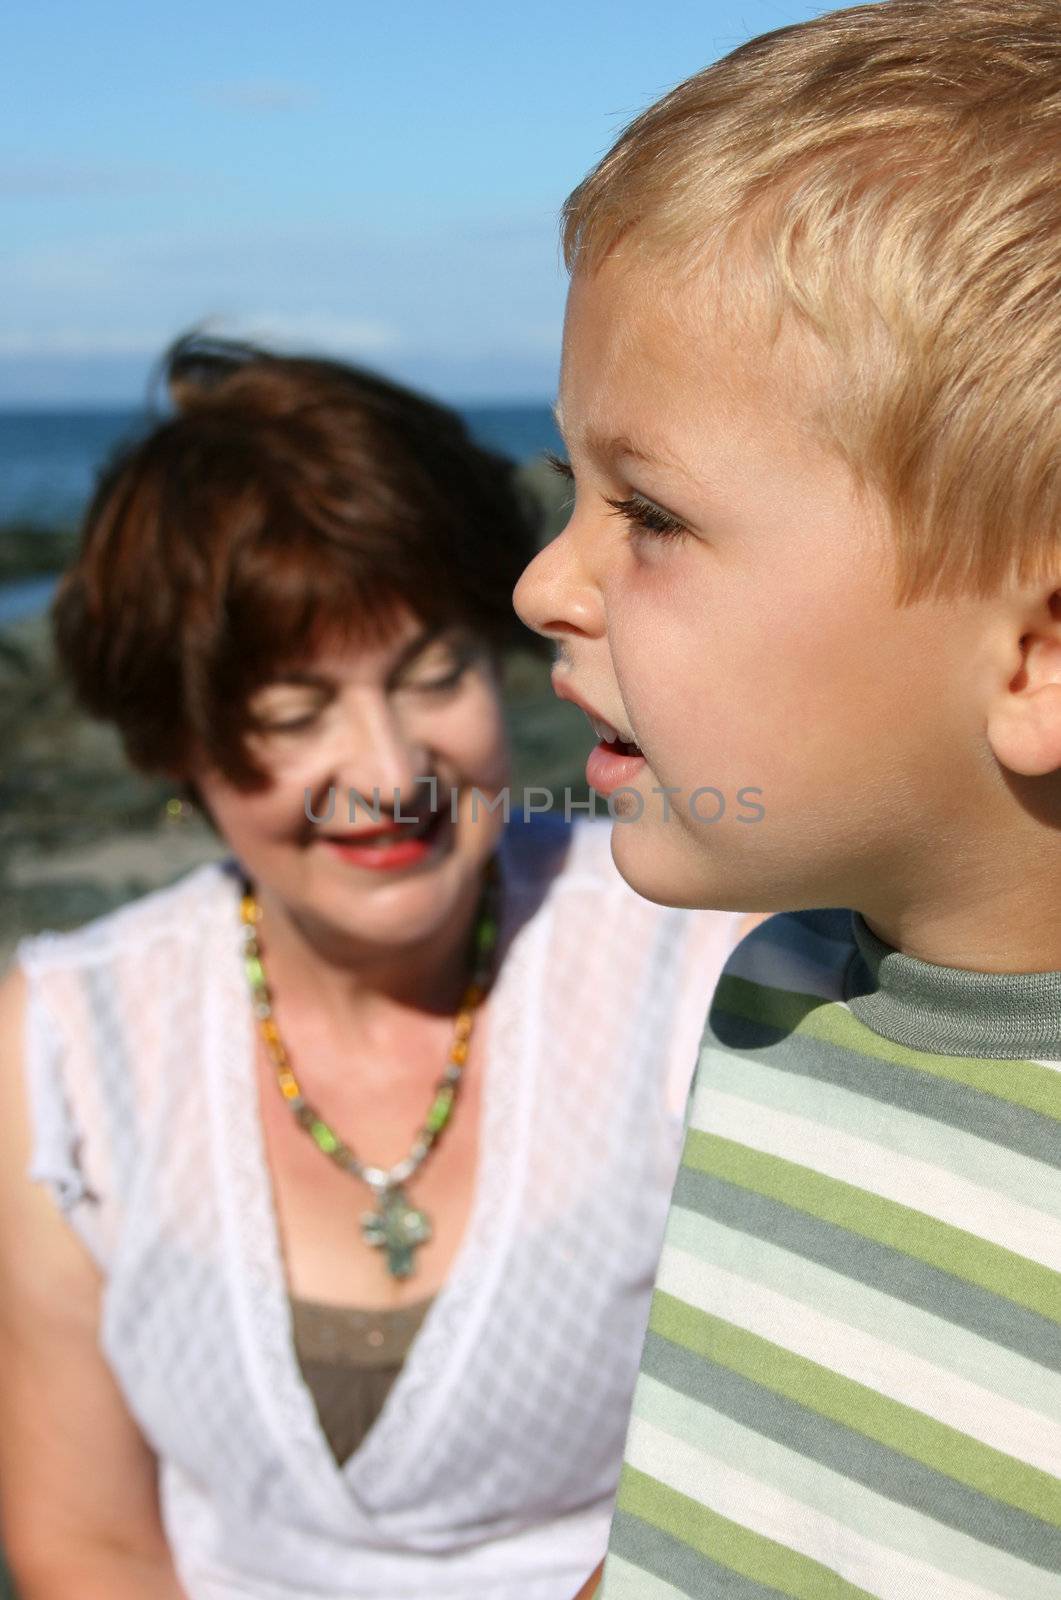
[(333, 1175)]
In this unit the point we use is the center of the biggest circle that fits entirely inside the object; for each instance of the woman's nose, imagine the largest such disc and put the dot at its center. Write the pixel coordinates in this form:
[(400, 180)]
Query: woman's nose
[(555, 595), (382, 761)]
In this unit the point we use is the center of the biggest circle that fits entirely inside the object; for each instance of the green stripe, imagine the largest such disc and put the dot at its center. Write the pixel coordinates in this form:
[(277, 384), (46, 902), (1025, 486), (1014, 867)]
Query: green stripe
[(916, 1283), (728, 1544), (969, 1155), (902, 1509), (869, 1308), (962, 1254), (1000, 1122), (1025, 1083), (858, 1408)]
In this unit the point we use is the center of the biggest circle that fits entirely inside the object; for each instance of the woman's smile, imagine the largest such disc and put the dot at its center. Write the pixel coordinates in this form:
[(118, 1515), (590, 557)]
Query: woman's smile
[(389, 848)]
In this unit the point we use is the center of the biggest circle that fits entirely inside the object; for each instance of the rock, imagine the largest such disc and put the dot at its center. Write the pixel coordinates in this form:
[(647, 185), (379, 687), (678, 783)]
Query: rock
[(29, 548)]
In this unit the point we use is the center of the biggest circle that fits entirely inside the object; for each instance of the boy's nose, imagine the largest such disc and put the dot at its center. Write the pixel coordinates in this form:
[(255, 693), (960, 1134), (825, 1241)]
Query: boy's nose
[(554, 597)]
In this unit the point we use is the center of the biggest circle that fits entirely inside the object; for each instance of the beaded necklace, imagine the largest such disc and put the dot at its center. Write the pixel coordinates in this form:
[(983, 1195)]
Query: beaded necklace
[(395, 1226)]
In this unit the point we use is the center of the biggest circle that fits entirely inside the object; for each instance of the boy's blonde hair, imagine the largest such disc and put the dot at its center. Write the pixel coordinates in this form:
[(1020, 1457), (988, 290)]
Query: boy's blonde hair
[(892, 171)]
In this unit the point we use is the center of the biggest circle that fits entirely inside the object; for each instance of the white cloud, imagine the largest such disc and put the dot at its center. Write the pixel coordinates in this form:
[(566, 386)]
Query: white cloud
[(31, 180), (322, 332), (446, 307), (74, 343), (290, 331), (260, 97)]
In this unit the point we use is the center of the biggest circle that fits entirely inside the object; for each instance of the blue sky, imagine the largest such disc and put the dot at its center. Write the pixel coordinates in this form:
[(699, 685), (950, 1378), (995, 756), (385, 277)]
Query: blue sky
[(378, 182)]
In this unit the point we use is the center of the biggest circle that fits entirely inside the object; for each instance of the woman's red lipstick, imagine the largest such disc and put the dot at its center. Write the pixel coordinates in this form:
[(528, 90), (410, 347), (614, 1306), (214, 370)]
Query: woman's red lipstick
[(401, 844)]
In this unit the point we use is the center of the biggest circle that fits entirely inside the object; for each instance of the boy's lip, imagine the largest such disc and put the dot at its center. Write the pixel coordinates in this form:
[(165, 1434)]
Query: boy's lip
[(563, 690)]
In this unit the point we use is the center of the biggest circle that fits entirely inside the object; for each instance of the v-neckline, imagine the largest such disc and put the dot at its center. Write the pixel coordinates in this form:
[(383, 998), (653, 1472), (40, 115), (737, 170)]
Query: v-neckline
[(252, 1243)]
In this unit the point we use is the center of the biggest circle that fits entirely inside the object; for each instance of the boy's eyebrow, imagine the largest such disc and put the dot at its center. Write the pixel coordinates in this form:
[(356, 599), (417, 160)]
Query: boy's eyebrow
[(608, 447)]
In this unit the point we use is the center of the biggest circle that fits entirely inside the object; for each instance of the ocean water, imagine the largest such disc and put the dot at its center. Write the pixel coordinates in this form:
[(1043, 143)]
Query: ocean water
[(49, 459), (25, 597)]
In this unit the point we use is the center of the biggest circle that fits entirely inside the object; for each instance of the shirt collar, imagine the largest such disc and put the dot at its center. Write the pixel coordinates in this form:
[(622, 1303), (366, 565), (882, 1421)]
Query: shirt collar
[(948, 1011)]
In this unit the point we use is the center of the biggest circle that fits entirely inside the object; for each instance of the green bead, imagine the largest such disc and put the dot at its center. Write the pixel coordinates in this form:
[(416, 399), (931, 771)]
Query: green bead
[(324, 1137), (485, 935), (438, 1116), (255, 972)]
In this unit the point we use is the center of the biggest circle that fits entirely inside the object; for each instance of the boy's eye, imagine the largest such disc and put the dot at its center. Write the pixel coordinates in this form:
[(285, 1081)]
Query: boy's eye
[(646, 517), (642, 515)]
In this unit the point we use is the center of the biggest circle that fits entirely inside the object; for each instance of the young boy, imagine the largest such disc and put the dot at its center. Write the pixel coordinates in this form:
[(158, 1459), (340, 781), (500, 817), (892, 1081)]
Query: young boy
[(810, 392)]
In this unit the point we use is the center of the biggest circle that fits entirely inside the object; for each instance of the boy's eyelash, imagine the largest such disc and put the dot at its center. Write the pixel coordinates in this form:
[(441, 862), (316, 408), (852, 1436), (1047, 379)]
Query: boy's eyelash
[(644, 517), (562, 468)]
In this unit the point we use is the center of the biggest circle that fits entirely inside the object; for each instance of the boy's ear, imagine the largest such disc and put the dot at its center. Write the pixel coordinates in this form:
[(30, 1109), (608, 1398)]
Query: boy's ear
[(1024, 719)]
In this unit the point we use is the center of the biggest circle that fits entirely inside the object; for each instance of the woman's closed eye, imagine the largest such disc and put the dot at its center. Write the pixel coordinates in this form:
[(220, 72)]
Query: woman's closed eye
[(440, 685), (283, 707), (441, 682), (297, 724)]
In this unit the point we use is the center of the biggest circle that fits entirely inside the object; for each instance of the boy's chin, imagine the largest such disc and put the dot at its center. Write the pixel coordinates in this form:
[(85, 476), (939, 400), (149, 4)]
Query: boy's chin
[(655, 865)]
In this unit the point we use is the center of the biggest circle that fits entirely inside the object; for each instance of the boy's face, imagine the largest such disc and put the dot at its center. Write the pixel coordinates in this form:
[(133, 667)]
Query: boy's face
[(759, 648)]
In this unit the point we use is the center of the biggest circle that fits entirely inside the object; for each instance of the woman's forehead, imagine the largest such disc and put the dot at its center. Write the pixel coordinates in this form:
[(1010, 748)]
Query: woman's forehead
[(337, 653)]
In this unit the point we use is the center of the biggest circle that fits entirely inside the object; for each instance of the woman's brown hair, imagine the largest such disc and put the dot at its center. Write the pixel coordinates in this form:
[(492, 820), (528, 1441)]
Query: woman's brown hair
[(288, 499)]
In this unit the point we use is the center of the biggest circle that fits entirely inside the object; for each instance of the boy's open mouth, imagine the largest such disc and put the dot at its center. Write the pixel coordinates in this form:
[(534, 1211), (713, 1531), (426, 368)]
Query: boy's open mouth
[(609, 738)]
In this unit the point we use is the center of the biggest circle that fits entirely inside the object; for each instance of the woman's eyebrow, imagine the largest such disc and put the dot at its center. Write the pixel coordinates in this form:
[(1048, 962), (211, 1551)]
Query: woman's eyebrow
[(302, 678), (420, 643), (295, 677)]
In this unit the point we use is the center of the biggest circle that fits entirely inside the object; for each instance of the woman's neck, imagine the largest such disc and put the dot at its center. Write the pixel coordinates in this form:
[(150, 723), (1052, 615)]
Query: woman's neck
[(353, 982)]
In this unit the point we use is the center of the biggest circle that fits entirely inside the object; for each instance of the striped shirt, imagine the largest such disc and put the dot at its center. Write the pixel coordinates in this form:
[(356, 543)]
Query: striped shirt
[(851, 1380)]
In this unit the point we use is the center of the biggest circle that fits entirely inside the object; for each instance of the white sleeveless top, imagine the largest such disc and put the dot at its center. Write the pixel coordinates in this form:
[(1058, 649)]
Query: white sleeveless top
[(491, 1471)]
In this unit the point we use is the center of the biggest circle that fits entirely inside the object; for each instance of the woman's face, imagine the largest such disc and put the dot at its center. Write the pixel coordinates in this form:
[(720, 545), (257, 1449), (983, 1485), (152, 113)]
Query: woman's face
[(362, 729)]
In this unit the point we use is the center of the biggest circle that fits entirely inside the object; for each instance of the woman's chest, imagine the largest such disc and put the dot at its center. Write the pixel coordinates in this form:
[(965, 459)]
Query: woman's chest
[(339, 1244), (517, 1388)]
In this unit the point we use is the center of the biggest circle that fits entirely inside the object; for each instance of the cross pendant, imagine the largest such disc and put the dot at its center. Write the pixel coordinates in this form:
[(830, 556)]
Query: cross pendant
[(397, 1227)]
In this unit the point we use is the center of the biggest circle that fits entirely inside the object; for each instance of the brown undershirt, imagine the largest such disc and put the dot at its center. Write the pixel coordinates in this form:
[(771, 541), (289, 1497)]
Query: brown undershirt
[(349, 1360)]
